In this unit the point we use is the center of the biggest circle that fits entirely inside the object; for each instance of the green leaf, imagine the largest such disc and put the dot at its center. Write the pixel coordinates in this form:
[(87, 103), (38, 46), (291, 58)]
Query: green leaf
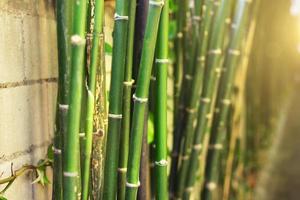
[(41, 176), (3, 198), (150, 128), (108, 49), (50, 152)]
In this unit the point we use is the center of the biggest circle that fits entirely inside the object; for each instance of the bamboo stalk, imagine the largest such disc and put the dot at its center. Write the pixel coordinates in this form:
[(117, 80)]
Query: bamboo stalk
[(141, 97), (161, 106), (63, 11), (91, 87), (115, 100), (224, 97), (190, 162), (128, 82), (71, 154)]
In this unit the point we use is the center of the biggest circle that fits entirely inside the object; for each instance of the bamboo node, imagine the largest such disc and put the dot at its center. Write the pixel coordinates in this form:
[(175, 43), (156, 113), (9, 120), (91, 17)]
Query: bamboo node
[(234, 52), (211, 186), (201, 58), (217, 110), (56, 150), (205, 100), (188, 77), (128, 83), (197, 18), (156, 3), (180, 35), (81, 135), (218, 70), (190, 110), (185, 157), (228, 20), (161, 163), (133, 185), (153, 78), (115, 116), (122, 170), (77, 40), (189, 189), (120, 17), (209, 116), (70, 174), (63, 107), (139, 99), (162, 60), (215, 51), (216, 146), (226, 101), (197, 147)]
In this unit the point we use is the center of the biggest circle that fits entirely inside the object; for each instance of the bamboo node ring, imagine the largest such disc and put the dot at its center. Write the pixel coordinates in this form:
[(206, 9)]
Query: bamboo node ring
[(115, 116), (139, 99), (122, 170), (190, 110), (128, 83), (179, 34), (156, 3), (188, 77), (205, 100), (70, 174), (133, 185), (197, 147), (197, 18), (209, 116), (211, 186), (120, 17), (56, 150), (216, 146), (77, 40), (186, 157), (189, 189), (218, 70), (226, 101), (81, 134), (162, 60), (153, 78), (161, 163), (201, 58), (63, 107), (215, 51), (234, 52)]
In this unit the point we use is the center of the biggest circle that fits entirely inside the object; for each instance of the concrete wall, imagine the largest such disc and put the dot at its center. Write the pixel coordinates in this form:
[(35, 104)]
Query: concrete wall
[(28, 84)]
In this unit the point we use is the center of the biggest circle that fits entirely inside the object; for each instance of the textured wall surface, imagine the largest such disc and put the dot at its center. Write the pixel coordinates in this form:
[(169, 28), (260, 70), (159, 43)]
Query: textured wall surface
[(28, 76)]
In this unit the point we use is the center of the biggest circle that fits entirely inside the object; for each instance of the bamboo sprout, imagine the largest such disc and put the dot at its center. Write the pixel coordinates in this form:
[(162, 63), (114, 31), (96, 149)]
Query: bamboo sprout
[(128, 82), (161, 106), (71, 145), (91, 86), (141, 97), (115, 100)]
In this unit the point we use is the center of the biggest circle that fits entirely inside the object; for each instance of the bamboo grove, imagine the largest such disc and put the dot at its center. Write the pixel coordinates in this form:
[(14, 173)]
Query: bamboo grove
[(193, 48)]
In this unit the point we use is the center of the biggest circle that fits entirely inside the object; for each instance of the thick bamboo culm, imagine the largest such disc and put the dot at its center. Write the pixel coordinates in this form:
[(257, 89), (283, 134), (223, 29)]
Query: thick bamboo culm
[(71, 170), (160, 118), (141, 97), (115, 100), (91, 89), (128, 83)]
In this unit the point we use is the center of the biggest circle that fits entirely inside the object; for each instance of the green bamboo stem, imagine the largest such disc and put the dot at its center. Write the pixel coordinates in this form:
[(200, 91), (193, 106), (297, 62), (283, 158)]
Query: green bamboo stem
[(141, 97), (128, 82), (161, 106), (178, 79), (63, 11), (91, 87), (224, 97), (71, 154), (195, 92), (190, 162), (115, 100)]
